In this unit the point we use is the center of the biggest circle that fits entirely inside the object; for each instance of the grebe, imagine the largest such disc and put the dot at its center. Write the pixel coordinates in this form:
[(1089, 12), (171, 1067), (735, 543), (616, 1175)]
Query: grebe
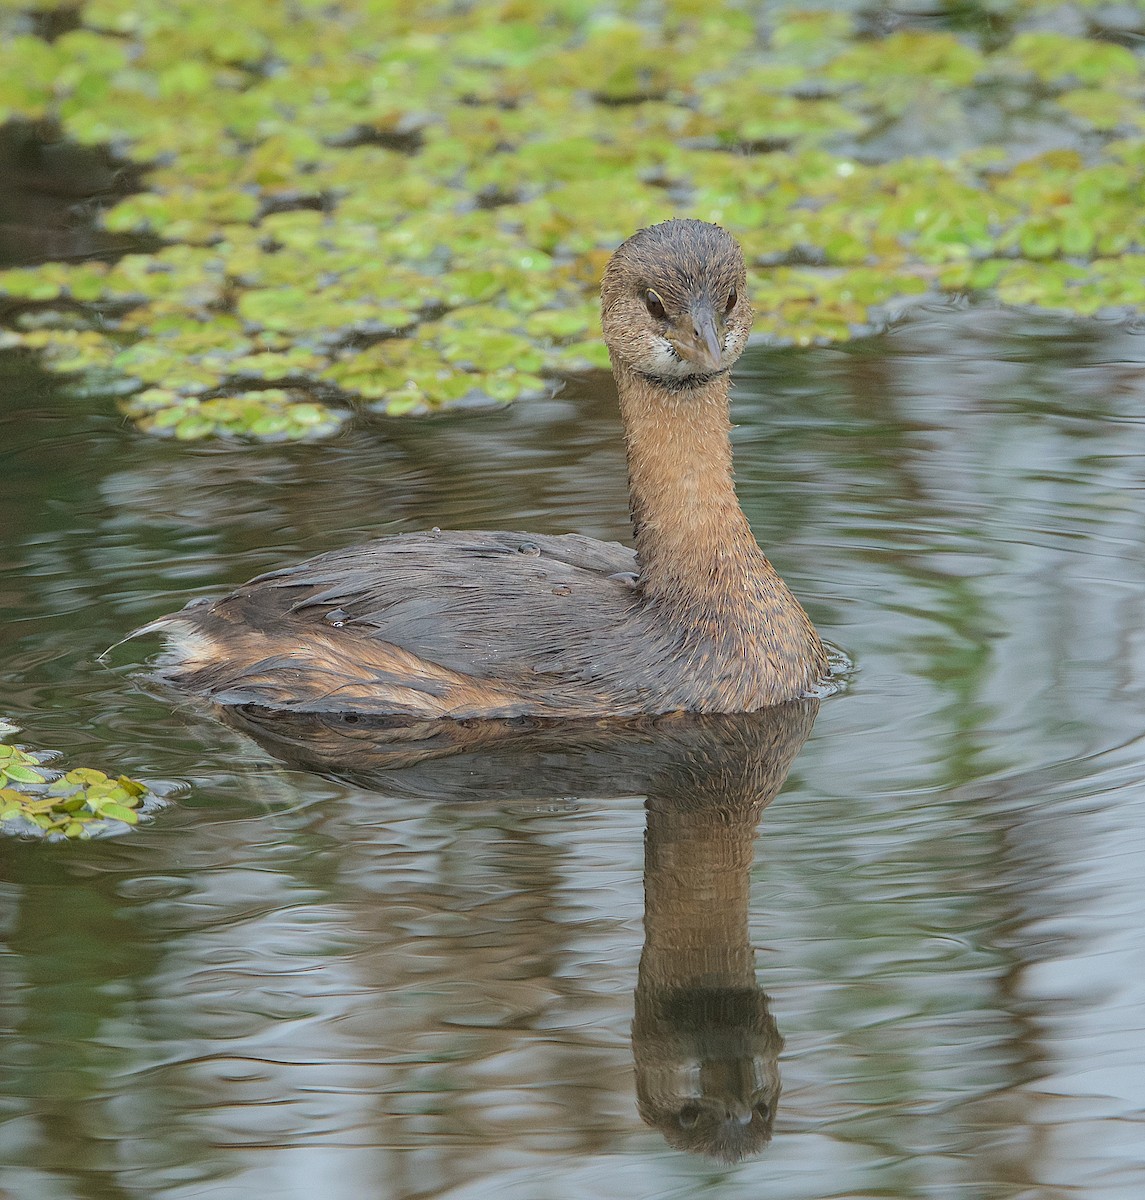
[(482, 624)]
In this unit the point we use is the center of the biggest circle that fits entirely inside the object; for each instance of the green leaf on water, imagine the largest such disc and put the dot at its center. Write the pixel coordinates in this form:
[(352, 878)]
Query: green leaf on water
[(118, 812), (85, 776), (18, 773)]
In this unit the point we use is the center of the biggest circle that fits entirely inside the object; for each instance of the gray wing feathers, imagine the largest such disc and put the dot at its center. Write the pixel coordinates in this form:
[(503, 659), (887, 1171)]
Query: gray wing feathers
[(469, 601)]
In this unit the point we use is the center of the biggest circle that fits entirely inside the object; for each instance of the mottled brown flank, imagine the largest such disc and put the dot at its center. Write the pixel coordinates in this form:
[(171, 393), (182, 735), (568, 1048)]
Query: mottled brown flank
[(484, 624)]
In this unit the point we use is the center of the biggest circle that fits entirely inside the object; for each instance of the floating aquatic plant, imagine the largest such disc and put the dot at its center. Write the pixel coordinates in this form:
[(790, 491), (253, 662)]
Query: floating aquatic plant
[(408, 207), (36, 799)]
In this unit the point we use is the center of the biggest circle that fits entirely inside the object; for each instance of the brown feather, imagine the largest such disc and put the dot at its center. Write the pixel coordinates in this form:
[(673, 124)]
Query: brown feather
[(490, 624)]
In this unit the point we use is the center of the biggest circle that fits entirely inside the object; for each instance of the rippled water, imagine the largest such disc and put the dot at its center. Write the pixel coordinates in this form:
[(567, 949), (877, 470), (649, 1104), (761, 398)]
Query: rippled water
[(505, 972)]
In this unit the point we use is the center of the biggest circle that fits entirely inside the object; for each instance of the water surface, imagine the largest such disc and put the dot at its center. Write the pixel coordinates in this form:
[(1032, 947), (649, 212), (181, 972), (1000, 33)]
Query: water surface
[(360, 983)]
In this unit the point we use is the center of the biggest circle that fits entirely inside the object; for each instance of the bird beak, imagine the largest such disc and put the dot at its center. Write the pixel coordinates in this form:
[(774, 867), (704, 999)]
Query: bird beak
[(698, 338)]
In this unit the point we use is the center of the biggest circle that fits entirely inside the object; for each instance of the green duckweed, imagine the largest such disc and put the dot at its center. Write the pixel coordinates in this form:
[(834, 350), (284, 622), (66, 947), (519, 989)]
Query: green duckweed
[(39, 800), (407, 208)]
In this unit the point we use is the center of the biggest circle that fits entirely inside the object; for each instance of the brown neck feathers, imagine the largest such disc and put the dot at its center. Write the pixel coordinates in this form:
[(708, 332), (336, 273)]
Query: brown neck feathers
[(693, 542)]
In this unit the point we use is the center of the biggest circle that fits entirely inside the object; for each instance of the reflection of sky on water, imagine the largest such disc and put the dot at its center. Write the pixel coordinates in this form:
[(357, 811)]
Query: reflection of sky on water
[(284, 985)]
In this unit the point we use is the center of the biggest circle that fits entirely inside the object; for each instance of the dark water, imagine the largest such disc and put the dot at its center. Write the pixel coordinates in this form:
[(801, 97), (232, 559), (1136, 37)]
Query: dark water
[(442, 981)]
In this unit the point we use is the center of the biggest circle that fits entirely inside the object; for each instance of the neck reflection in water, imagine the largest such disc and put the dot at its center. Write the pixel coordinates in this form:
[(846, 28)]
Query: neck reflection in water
[(705, 1044)]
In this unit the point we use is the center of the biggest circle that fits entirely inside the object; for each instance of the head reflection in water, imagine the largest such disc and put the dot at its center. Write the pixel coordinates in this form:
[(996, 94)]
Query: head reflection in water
[(705, 1045), (707, 1070)]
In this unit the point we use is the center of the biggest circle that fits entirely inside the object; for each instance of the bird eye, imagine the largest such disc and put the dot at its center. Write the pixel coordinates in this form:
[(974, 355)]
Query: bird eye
[(655, 304), (689, 1115), (733, 297)]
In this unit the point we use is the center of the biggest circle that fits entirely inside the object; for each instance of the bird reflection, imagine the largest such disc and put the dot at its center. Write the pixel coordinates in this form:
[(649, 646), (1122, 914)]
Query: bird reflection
[(705, 1044)]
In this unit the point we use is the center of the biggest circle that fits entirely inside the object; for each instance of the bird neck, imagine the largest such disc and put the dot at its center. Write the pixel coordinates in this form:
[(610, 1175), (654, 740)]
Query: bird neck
[(693, 542), (697, 878)]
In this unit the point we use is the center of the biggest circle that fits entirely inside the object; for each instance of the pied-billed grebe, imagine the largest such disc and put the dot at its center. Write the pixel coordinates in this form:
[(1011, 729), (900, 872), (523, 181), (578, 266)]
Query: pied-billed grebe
[(480, 624)]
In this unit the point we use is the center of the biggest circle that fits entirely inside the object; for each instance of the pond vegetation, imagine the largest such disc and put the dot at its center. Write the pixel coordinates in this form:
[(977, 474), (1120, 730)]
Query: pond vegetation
[(407, 208), (36, 799)]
